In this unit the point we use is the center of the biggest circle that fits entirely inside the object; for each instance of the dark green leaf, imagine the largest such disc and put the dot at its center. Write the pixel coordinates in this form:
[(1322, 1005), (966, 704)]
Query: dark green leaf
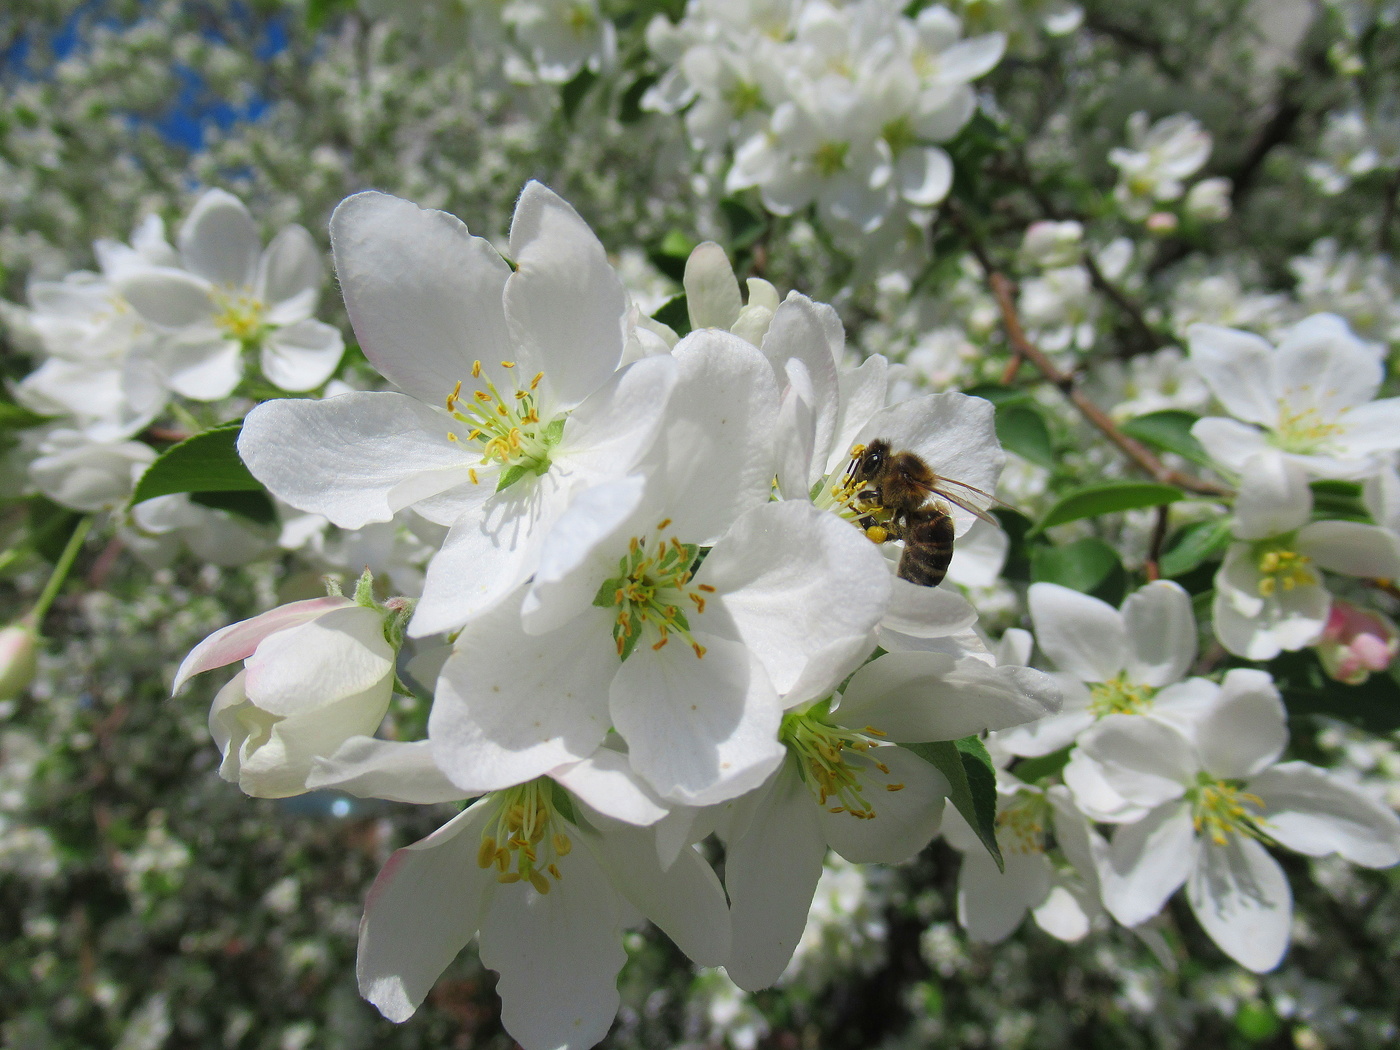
[(1088, 565), (1374, 705), (1093, 501), (675, 314), (630, 107), (1016, 526), (571, 94), (746, 225), (973, 778), (1032, 769), (1022, 429), (1197, 543), (207, 462), (255, 506), (14, 417), (1000, 395), (1170, 431)]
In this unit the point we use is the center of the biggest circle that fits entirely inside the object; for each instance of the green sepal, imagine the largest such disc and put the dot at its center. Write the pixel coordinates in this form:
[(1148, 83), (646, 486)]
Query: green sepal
[(629, 641), (562, 802), (606, 597)]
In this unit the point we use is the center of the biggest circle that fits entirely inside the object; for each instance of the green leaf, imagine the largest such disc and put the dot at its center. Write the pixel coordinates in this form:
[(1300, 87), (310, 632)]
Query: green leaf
[(207, 462), (1168, 431), (571, 94), (50, 525), (630, 107), (973, 778), (675, 314), (1093, 501), (1374, 705), (1022, 429), (1000, 395), (745, 224), (255, 506), (14, 417), (1032, 769), (1198, 543), (1017, 526), (1088, 565)]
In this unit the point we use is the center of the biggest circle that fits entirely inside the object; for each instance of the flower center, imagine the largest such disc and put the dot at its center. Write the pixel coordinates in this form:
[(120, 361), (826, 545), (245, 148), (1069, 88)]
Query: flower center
[(842, 496), (1280, 567), (239, 313), (650, 591), (1304, 432), (830, 158), (1021, 824), (1219, 807), (524, 843), (1118, 696), (506, 427), (899, 135), (744, 97), (820, 747)]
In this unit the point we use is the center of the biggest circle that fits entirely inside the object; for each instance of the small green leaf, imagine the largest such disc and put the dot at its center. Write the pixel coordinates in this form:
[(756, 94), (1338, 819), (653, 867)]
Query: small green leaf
[(1088, 565), (675, 315), (207, 462), (1169, 431), (1198, 543), (973, 778), (1093, 501), (1032, 769), (1022, 429), (629, 109)]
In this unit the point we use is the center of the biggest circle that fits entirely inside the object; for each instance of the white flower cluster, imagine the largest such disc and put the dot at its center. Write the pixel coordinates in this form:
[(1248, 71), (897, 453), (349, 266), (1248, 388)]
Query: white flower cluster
[(652, 616), (1185, 771), (844, 106), (1154, 169)]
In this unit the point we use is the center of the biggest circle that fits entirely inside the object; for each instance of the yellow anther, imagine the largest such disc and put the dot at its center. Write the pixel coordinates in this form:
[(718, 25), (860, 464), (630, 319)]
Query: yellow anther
[(534, 383), (894, 787), (507, 364), (471, 473), (508, 877), (476, 369), (540, 883), (705, 587), (563, 845), (451, 436), (486, 854), (666, 524), (877, 534)]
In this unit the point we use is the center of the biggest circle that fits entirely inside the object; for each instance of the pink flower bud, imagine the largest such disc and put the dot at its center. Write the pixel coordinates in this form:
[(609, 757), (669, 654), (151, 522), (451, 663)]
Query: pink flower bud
[(1356, 642), (1161, 223), (19, 659)]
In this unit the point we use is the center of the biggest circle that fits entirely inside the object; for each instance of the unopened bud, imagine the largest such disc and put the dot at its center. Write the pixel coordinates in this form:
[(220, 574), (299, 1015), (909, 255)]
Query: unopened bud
[(1161, 223), (1356, 642), (19, 659)]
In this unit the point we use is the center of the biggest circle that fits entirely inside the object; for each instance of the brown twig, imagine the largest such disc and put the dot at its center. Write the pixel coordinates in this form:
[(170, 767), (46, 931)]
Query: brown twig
[(1143, 457), (1159, 538)]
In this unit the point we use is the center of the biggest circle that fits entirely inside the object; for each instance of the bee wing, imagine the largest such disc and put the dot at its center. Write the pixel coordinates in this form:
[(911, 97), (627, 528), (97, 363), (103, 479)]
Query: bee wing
[(970, 498)]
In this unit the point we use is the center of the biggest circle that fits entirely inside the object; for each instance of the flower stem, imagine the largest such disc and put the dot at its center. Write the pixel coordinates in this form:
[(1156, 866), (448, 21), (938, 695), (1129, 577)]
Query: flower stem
[(60, 572)]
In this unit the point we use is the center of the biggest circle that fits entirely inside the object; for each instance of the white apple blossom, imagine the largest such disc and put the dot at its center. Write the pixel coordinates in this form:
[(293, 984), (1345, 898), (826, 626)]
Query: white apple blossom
[(562, 37), (1310, 400), (512, 401), (84, 473), (548, 915), (316, 673), (226, 296), (847, 784), (1159, 159), (1269, 592), (1364, 289), (1215, 795)]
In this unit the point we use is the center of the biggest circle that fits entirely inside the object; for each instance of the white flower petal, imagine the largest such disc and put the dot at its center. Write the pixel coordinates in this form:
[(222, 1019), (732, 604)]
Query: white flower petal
[(340, 653), (992, 903), (558, 955), (699, 729), (1274, 497), (1246, 729), (423, 295), (812, 334), (238, 640), (1144, 760), (711, 289), (1161, 632), (1314, 812), (510, 707), (167, 297), (421, 911), (1239, 369), (905, 819), (289, 269), (769, 912), (1231, 443), (1082, 635), (1352, 547), (302, 356), (389, 769), (925, 175), (1240, 896), (927, 612), (564, 304), (605, 782), (219, 240), (350, 452), (1147, 862), (201, 364)]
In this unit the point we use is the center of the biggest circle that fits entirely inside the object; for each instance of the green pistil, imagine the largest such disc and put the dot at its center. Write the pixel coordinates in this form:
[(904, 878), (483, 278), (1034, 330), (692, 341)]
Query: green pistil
[(1220, 807), (819, 746), (506, 428), (650, 588), (1118, 696), (525, 843), (830, 158)]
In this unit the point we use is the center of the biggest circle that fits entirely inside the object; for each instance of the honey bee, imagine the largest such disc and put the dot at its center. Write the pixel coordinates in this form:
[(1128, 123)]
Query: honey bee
[(892, 494)]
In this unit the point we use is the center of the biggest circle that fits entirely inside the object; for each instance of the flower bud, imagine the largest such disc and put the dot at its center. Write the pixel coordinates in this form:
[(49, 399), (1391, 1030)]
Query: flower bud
[(1051, 244), (1161, 223), (1209, 200), (19, 659), (1356, 642), (316, 673)]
